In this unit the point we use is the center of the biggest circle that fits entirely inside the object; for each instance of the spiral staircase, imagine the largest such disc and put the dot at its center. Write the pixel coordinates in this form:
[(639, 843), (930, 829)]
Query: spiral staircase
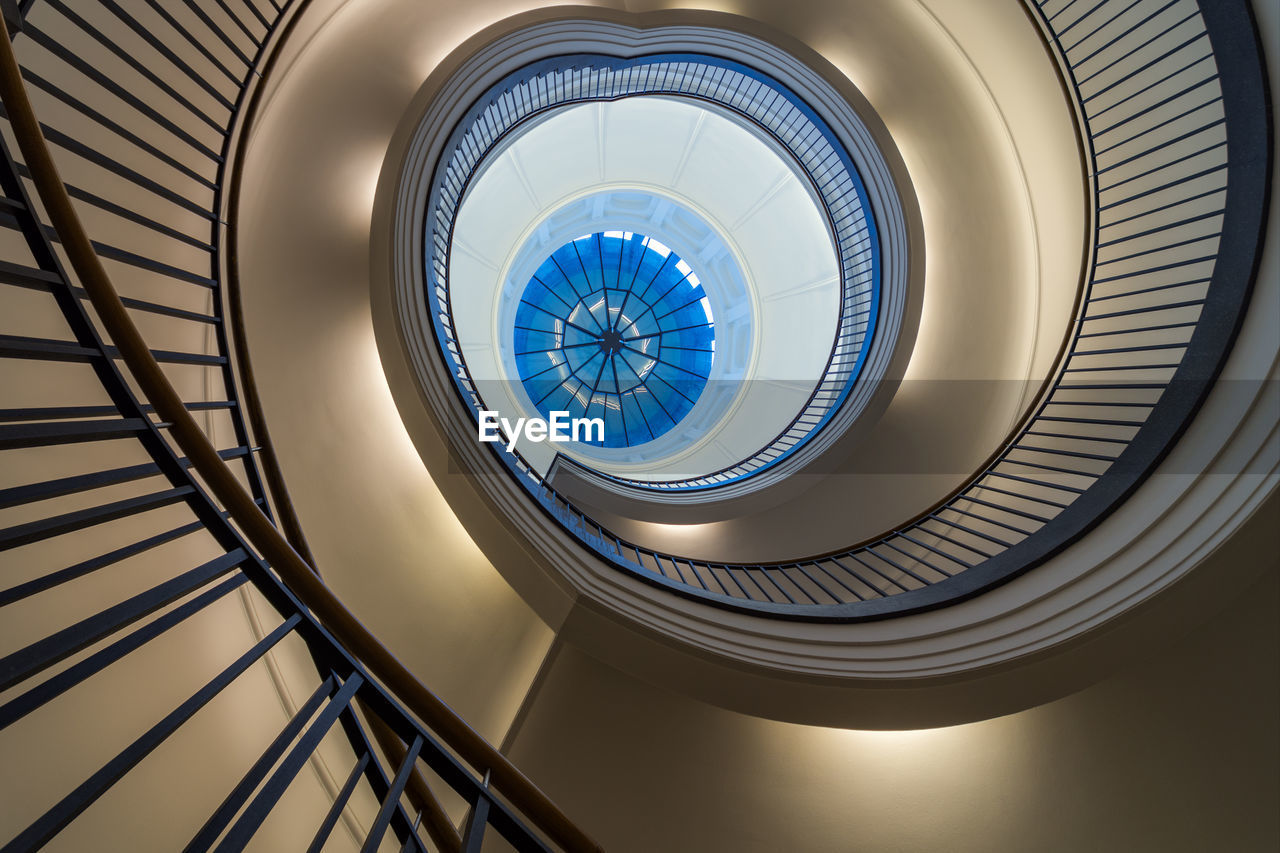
[(214, 640)]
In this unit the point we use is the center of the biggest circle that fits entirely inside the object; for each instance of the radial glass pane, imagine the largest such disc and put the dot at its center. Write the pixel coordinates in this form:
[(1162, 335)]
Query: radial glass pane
[(614, 325)]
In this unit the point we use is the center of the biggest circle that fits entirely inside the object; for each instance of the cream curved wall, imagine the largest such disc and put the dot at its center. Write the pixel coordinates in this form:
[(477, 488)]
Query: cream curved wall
[(1171, 742), (305, 233), (972, 165), (383, 536), (397, 553), (1175, 753)]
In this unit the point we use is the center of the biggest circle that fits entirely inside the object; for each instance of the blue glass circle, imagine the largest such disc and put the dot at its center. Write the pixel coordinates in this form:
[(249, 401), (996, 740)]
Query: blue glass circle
[(615, 326)]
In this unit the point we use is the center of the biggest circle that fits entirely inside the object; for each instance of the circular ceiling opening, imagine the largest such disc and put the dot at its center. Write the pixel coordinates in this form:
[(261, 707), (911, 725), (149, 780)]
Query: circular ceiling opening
[(678, 245), (615, 326), (733, 176)]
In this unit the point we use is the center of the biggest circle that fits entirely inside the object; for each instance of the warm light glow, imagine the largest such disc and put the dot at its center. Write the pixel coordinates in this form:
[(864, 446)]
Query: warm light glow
[(900, 740), (356, 185), (905, 753), (691, 531), (402, 470)]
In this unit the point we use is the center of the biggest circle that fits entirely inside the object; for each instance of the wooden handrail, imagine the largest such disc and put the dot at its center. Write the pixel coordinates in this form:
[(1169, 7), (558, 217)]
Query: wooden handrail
[(434, 819), (224, 485)]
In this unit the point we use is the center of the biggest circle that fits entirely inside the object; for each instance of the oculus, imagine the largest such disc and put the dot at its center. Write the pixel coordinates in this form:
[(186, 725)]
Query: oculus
[(615, 326)]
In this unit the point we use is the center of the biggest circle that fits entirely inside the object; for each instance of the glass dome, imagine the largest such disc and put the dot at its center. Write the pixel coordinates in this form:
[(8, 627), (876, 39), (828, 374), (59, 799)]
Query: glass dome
[(615, 326)]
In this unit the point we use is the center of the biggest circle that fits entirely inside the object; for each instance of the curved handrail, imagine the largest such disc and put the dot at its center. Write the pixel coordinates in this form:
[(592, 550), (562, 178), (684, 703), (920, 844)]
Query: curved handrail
[(434, 820), (272, 475), (243, 509)]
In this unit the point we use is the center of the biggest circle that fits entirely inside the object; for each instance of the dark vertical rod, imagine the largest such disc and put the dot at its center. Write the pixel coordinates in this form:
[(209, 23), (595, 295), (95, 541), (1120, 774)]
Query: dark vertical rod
[(473, 838), (256, 812), (253, 777), (392, 799), (339, 803), (39, 833)]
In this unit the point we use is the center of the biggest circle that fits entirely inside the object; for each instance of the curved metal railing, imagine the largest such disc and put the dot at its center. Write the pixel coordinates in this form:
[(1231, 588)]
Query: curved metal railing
[(162, 92), (522, 97), (1174, 118)]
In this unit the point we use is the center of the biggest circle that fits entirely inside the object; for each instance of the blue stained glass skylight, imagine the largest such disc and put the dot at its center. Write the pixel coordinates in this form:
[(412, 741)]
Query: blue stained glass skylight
[(614, 325)]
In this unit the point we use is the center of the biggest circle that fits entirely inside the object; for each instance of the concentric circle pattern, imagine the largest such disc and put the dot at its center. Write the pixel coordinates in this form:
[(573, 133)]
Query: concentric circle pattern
[(564, 128), (615, 326)]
